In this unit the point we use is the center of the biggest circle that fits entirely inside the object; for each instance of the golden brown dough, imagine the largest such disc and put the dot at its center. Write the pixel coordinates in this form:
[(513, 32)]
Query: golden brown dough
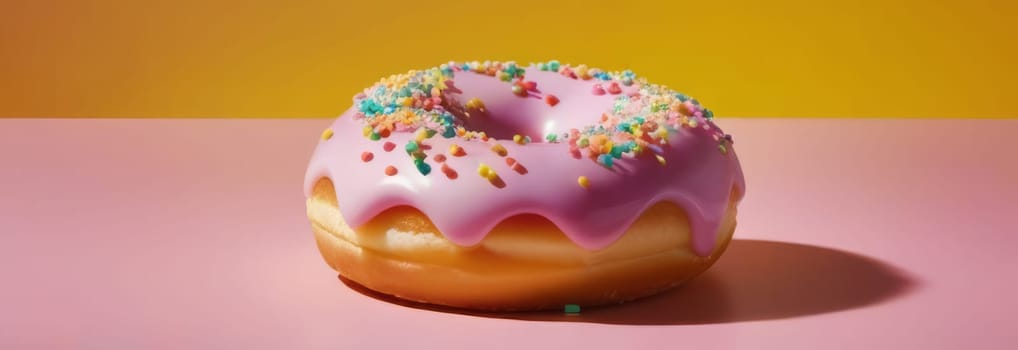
[(525, 263)]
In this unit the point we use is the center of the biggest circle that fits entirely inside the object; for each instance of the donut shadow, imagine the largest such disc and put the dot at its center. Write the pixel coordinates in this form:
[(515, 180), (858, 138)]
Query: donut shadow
[(755, 280)]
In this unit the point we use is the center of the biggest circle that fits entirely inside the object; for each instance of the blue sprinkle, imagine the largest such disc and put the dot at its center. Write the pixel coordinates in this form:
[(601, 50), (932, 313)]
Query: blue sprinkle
[(423, 167), (617, 152), (606, 159), (449, 132), (682, 97), (708, 114)]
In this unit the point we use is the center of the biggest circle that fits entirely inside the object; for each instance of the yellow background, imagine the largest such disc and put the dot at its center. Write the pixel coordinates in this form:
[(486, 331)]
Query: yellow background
[(185, 58)]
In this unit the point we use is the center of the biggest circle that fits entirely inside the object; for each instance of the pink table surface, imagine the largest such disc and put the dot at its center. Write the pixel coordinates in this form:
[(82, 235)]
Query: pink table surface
[(185, 234)]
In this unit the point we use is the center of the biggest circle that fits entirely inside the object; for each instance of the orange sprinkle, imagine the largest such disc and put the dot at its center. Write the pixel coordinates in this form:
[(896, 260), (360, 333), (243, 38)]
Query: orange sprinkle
[(583, 181), (391, 170), (519, 168), (510, 161), (367, 156), (551, 100), (457, 151), (600, 144), (440, 158)]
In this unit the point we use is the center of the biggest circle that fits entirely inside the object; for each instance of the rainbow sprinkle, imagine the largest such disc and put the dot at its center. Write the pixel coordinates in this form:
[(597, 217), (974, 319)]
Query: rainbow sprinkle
[(644, 116)]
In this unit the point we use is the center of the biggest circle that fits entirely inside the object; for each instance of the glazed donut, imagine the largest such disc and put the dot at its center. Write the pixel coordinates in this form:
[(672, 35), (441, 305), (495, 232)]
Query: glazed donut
[(496, 186)]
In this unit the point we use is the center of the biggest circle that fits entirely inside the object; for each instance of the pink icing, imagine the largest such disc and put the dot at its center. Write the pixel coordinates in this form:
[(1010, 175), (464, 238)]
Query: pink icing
[(696, 176)]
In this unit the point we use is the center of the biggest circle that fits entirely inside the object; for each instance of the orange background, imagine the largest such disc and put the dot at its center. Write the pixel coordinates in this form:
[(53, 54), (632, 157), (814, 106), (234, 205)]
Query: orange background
[(120, 58)]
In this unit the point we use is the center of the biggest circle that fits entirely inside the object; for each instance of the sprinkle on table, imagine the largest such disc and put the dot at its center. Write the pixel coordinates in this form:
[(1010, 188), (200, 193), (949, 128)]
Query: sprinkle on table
[(367, 156), (572, 309), (327, 134), (391, 170)]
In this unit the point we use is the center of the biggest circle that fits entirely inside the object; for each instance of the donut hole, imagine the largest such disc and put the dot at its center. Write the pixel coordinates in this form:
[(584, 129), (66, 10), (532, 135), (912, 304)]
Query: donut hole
[(503, 126), (505, 114)]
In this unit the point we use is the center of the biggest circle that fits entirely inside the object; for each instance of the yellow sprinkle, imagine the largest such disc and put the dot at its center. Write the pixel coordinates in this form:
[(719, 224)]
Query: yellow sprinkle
[(519, 139), (475, 103), (327, 134), (498, 148), (367, 131), (660, 159), (662, 132), (421, 135), (583, 181), (486, 172)]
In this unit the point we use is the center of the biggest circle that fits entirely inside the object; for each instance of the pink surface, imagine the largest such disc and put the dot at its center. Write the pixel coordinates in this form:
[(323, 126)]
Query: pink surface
[(169, 234)]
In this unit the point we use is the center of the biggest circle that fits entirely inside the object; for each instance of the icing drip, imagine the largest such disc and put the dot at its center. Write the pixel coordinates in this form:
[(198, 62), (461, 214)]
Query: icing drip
[(541, 139)]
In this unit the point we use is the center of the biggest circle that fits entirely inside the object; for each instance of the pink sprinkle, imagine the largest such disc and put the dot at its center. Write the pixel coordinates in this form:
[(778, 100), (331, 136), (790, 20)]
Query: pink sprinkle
[(551, 100), (388, 146), (598, 90), (530, 85), (367, 156), (510, 161), (614, 88)]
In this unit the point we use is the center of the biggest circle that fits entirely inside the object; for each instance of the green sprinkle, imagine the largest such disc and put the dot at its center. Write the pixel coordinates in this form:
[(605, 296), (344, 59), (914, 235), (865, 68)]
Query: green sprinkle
[(412, 147), (551, 137), (553, 65), (572, 309), (375, 136)]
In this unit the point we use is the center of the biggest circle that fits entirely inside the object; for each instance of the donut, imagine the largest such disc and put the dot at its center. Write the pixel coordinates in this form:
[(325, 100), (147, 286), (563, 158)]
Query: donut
[(501, 187)]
